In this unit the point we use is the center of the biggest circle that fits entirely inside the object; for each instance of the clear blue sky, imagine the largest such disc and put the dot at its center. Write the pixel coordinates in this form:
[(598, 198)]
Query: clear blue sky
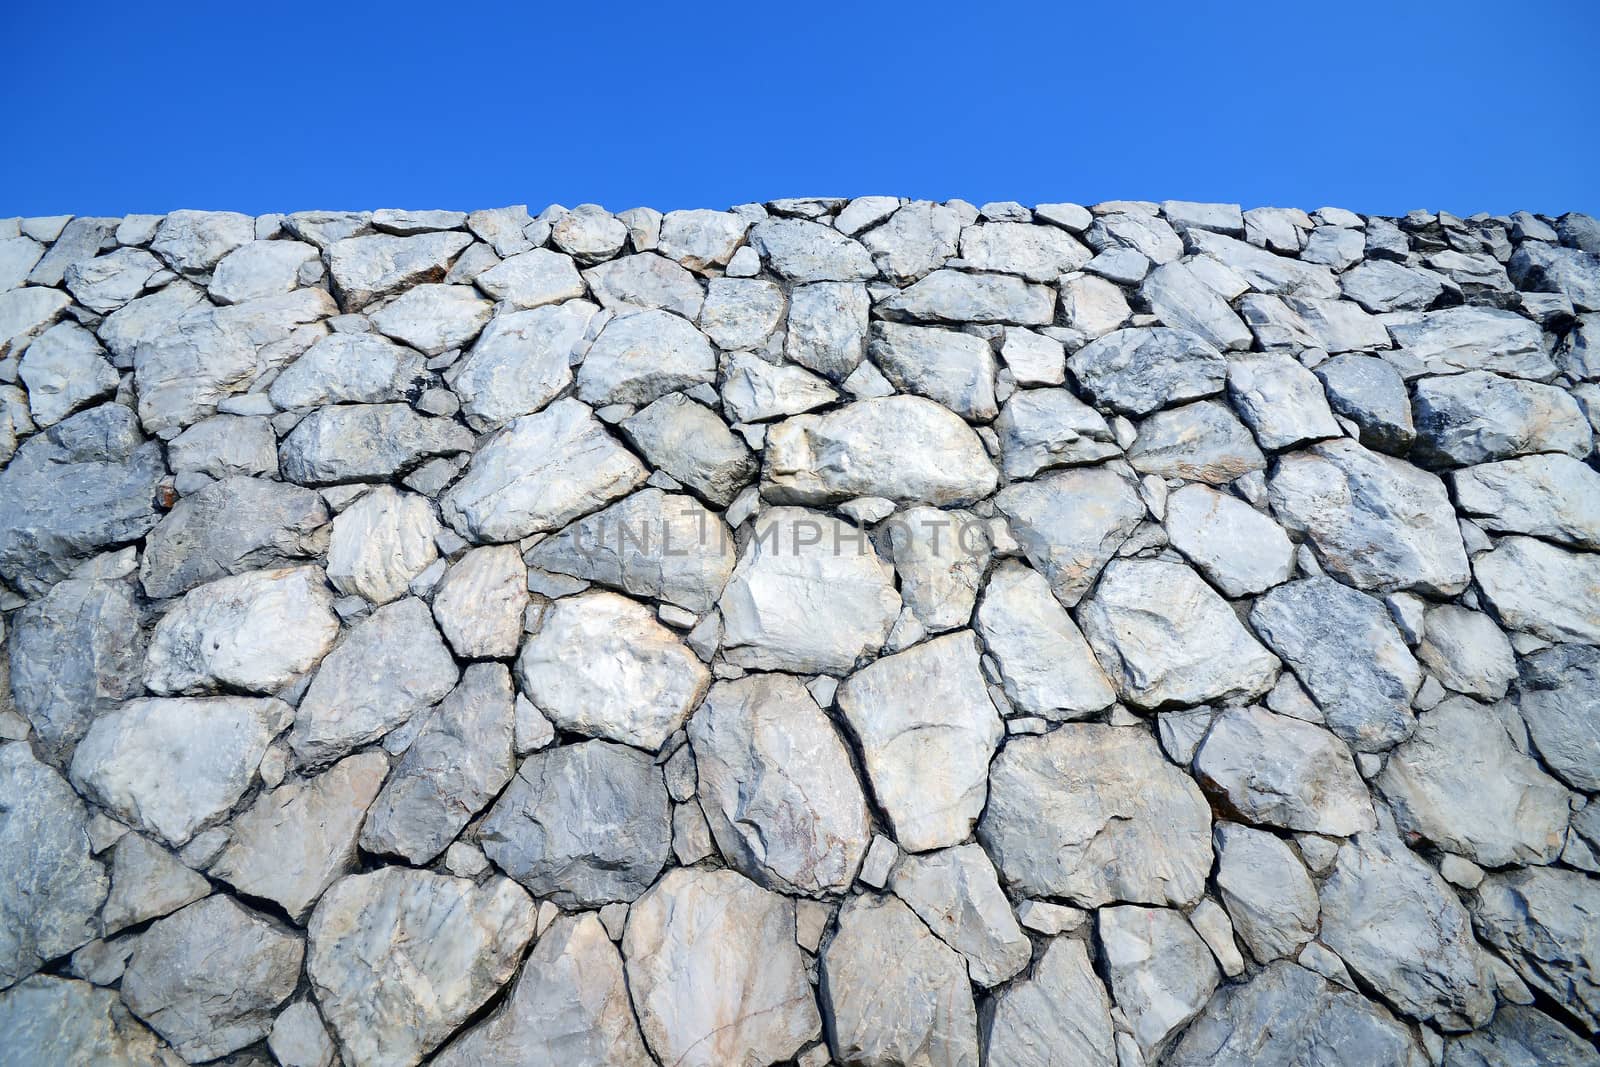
[(1465, 105)]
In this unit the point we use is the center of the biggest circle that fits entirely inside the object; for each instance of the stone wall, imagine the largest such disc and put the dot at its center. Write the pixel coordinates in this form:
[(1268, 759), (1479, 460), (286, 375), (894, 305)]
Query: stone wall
[(861, 631)]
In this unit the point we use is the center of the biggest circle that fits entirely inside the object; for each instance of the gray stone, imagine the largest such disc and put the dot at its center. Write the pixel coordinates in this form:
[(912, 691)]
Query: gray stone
[(1059, 1016), (1559, 698), (1374, 521), (49, 1020), (366, 442), (1070, 523), (1161, 972), (643, 355), (918, 238), (434, 318), (958, 297), (1196, 442), (261, 268), (955, 891), (297, 840), (65, 370), (1380, 285), (940, 557), (1263, 270), (733, 943), (479, 603), (399, 958), (741, 313), (1348, 654), (1096, 814), (802, 251), (125, 761), (927, 732), (298, 1038), (1037, 253), (380, 543), (1535, 587), (1165, 637), (1467, 652), (147, 882), (1137, 371), (521, 362), (827, 327), (1091, 305), (1277, 771), (1399, 926), (225, 445), (532, 278), (1478, 417), (1044, 428), (953, 369), (754, 390), (1472, 339), (601, 665), (1281, 400), (1139, 230), (538, 473), (1269, 895), (366, 268), (1371, 392), (777, 787), (1545, 268), (194, 241), (1542, 918), (702, 238), (1180, 299), (881, 949), (1239, 549), (692, 444), (1550, 496), (229, 527), (389, 667), (1519, 1037)]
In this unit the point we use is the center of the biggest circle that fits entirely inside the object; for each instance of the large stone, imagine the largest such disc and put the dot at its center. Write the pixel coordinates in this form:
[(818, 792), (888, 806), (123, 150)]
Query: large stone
[(172, 766), (366, 442), (1287, 1016), (883, 955), (521, 362), (798, 562), (601, 665), (1096, 814), (754, 390), (380, 543), (1376, 522), (1165, 637), (1472, 339), (1478, 418), (702, 238), (1281, 400), (691, 443), (642, 355), (434, 318), (1059, 1016), (1200, 442), (300, 838), (147, 882), (222, 446), (1269, 895), (262, 268), (479, 604), (1467, 652), (255, 632), (65, 370), (1382, 285), (1137, 371), (1559, 697), (1545, 268), (1346, 651), (958, 297), (399, 958), (803, 251), (927, 731), (905, 448), (1239, 549), (741, 313), (389, 667), (827, 327), (1519, 1037), (230, 526), (955, 891), (1542, 918), (532, 279), (1278, 771), (1263, 270), (1396, 922), (940, 557), (733, 944), (1161, 972), (1554, 497), (777, 787), (50, 886), (583, 825), (1046, 666), (954, 369), (1070, 523), (1371, 393), (1461, 783), (49, 1020), (1038, 253), (538, 474), (458, 763), (1533, 586), (1138, 230), (86, 483), (211, 977), (194, 241), (1295, 322), (1180, 299), (365, 268), (569, 1006), (918, 238), (1044, 428)]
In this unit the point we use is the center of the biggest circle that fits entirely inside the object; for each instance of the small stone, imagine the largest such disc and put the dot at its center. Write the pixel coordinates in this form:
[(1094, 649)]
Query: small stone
[(298, 1038), (881, 857), (1215, 929)]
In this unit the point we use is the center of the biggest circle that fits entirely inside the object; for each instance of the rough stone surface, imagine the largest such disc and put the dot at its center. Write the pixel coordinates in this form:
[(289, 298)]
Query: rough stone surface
[(1161, 973), (1059, 1016)]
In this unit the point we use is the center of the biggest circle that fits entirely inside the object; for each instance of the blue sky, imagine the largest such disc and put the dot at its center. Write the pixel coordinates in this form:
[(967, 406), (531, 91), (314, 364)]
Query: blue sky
[(1380, 107)]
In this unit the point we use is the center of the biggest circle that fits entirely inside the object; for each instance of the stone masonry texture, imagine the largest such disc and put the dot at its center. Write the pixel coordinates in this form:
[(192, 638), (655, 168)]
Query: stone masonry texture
[(853, 631)]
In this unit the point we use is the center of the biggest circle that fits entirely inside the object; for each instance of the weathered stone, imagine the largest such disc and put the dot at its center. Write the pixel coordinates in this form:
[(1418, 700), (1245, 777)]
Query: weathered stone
[(434, 318), (1380, 285), (1263, 270), (642, 355), (1197, 442), (48, 1020), (399, 959), (583, 824), (1348, 654), (1070, 523), (1399, 926), (755, 390), (365, 268), (777, 787), (1533, 586), (229, 527), (940, 557), (1542, 918), (225, 445), (1165, 637), (1238, 548), (380, 543), (1269, 895), (1046, 666), (1091, 305), (1044, 428), (1478, 417), (538, 474), (1551, 496), (733, 943), (1559, 697), (1374, 521), (1181, 300), (904, 448), (827, 327), (65, 370), (882, 950), (521, 362), (389, 667), (691, 443), (1467, 652), (1059, 1016), (954, 369), (479, 603), (1038, 253), (955, 891), (958, 297), (601, 665), (798, 561), (366, 442), (1546, 268), (1278, 771), (147, 882), (802, 251), (1472, 339), (1281, 400), (1161, 972), (1096, 814), (1139, 230), (1369, 391), (256, 632), (918, 238), (702, 238), (1518, 1036), (1136, 371), (126, 761), (211, 977)]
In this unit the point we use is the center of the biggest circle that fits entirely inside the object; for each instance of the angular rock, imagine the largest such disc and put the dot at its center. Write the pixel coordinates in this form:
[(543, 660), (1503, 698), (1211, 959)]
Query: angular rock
[(1165, 637), (521, 362), (755, 390), (1559, 697), (1281, 400), (1092, 305), (300, 838), (601, 665), (1070, 523), (741, 313), (1161, 972), (827, 327), (1269, 895), (1346, 651), (1542, 919), (1467, 652), (230, 526), (479, 603), (1181, 300), (702, 238), (954, 369), (1266, 272), (261, 268), (1239, 549), (1541, 589), (194, 241), (126, 761), (918, 237), (1519, 1037), (434, 318), (881, 949), (692, 444), (1370, 392), (776, 785), (927, 731), (1545, 268), (349, 368), (1376, 522), (582, 825), (380, 543), (1478, 418), (1044, 428), (365, 268), (955, 891), (55, 1020), (1046, 666), (389, 667), (65, 370), (940, 557), (1038, 253), (958, 297), (798, 561), (1095, 814), (802, 251), (1277, 771), (399, 958), (1136, 229), (225, 445), (1196, 442), (1059, 1016), (538, 474), (211, 977), (147, 882), (1381, 285), (643, 355), (1551, 496), (1472, 339), (532, 279), (366, 442)]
